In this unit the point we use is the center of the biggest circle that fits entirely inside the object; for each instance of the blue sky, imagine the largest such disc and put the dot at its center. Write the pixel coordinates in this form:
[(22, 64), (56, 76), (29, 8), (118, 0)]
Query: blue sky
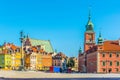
[(61, 21)]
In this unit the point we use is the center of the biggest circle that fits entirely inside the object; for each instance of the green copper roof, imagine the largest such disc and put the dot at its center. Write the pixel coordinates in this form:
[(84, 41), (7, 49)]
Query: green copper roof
[(46, 43), (90, 23), (89, 31), (80, 50), (100, 39), (89, 26)]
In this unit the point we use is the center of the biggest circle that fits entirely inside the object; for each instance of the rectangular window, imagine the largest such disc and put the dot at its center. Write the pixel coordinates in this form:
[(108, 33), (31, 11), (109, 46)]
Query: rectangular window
[(117, 70), (103, 63), (117, 54), (58, 64), (104, 70), (110, 55), (55, 64), (117, 63), (110, 63), (103, 54)]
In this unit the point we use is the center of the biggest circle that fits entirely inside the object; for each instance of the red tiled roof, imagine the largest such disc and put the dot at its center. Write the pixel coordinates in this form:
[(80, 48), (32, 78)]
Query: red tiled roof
[(13, 47), (34, 49), (111, 46), (60, 54), (5, 51)]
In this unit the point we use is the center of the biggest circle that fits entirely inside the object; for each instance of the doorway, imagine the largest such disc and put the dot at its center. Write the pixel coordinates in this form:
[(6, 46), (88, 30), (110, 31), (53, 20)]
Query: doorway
[(110, 70)]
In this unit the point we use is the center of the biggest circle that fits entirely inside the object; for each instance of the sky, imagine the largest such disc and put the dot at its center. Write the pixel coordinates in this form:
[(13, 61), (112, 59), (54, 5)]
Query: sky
[(60, 21)]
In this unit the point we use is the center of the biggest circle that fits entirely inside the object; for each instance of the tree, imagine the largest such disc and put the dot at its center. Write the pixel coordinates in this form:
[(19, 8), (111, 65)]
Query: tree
[(71, 63)]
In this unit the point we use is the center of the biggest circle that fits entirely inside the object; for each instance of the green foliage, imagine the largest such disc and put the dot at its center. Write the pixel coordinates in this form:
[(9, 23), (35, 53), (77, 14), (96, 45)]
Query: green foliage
[(71, 63)]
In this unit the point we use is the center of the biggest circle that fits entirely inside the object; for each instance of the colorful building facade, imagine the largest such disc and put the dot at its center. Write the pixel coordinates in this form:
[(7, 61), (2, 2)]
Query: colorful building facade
[(38, 54), (75, 68), (10, 56), (5, 61), (102, 57), (105, 58), (60, 60)]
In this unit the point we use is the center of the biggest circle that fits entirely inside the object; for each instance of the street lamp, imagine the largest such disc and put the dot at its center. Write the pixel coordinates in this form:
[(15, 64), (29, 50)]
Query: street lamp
[(21, 68)]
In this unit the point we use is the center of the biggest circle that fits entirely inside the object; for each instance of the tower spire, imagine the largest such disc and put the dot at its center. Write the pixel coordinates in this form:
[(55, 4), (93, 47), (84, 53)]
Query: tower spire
[(80, 50), (100, 34), (27, 35), (89, 26), (89, 15), (89, 33), (100, 39), (21, 34)]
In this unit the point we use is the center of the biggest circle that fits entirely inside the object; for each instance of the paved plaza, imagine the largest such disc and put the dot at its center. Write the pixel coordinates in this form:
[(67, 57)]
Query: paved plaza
[(34, 74)]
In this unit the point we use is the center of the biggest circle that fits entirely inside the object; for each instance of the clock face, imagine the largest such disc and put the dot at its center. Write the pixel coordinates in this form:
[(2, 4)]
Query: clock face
[(90, 36)]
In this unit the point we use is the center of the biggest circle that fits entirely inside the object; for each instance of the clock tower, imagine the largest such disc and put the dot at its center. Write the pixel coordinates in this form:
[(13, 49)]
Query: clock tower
[(89, 39)]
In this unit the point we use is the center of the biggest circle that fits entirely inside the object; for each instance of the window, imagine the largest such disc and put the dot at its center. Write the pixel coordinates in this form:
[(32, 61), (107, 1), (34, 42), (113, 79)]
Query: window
[(110, 55), (104, 70), (103, 55), (55, 64), (110, 63), (117, 69), (103, 63), (58, 64), (117, 54), (110, 70), (117, 63)]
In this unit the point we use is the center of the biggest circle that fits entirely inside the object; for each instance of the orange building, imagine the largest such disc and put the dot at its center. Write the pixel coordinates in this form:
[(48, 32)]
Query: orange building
[(103, 57), (38, 60), (46, 61)]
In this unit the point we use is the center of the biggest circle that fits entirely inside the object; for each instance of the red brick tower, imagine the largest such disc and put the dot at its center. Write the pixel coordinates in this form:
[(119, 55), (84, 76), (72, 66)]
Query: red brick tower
[(89, 39)]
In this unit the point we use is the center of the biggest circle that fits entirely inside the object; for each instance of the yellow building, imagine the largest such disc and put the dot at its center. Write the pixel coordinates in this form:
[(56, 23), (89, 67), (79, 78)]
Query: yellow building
[(5, 61), (33, 61), (39, 61), (10, 56), (27, 61), (16, 60)]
